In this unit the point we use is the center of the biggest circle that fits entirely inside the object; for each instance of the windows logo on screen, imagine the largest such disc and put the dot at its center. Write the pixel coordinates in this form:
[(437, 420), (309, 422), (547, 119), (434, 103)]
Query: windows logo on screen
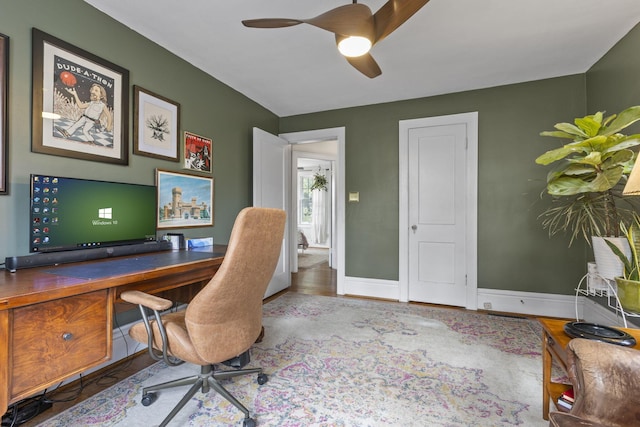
[(105, 213)]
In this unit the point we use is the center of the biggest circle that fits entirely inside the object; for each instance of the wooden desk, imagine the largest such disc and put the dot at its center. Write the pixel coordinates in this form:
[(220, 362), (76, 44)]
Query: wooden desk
[(57, 321), (554, 344)]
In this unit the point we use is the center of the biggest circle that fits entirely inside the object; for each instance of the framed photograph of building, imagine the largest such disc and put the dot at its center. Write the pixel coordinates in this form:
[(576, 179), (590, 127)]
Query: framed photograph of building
[(156, 124), (184, 200), (80, 103), (197, 152), (4, 90)]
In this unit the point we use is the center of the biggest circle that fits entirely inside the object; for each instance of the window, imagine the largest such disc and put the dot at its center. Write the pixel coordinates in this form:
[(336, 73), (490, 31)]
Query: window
[(305, 180)]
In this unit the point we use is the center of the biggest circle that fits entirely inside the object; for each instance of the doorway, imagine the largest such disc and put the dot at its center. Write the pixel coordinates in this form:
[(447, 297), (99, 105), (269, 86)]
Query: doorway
[(313, 145)]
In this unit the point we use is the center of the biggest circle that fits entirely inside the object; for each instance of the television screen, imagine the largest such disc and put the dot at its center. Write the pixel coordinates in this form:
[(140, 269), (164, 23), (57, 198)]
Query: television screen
[(71, 213)]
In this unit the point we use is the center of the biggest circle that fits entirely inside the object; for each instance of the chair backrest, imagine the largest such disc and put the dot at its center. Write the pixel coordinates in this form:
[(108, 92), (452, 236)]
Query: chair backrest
[(225, 318), (606, 381)]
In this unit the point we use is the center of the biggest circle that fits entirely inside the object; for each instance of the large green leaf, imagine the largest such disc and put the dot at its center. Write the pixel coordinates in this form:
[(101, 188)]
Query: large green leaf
[(594, 158), (577, 169), (558, 154), (590, 124), (607, 179), (596, 143), (622, 120), (623, 258), (617, 158), (568, 186), (572, 129), (623, 142), (557, 134)]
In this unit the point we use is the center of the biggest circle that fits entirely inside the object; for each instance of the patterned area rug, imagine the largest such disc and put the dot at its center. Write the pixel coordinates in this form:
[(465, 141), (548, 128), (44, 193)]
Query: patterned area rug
[(349, 362)]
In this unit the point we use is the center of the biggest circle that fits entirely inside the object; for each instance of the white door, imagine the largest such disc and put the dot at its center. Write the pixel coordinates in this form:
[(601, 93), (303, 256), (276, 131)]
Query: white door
[(271, 160), (440, 251)]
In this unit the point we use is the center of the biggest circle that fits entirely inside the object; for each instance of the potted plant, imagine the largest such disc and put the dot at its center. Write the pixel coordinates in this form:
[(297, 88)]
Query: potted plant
[(587, 179), (319, 182), (629, 283)]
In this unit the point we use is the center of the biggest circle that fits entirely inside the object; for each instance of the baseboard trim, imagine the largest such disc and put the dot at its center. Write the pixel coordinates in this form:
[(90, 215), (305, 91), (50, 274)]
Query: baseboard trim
[(372, 288), (526, 303), (530, 303)]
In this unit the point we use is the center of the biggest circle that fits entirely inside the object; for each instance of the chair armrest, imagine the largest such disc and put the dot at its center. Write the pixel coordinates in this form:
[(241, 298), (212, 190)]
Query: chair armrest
[(156, 305), (561, 419), (151, 301)]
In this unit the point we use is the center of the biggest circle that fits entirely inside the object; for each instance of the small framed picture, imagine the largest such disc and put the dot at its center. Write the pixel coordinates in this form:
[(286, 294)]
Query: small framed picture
[(4, 90), (184, 200), (80, 103), (156, 123), (197, 152)]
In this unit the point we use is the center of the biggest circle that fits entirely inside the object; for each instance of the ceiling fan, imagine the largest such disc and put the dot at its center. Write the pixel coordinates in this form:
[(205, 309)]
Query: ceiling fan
[(354, 24)]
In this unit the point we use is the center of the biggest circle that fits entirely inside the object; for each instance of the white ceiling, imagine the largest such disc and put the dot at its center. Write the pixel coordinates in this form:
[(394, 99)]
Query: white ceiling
[(448, 46)]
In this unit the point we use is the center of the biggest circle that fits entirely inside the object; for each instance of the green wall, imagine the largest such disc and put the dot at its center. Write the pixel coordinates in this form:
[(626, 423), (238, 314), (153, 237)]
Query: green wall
[(208, 108), (514, 252), (613, 83)]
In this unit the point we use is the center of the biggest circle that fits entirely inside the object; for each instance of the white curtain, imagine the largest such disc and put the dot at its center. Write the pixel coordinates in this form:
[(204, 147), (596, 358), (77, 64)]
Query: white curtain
[(319, 215)]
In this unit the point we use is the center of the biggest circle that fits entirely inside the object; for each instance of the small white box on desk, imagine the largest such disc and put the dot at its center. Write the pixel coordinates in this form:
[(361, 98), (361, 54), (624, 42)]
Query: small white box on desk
[(199, 243)]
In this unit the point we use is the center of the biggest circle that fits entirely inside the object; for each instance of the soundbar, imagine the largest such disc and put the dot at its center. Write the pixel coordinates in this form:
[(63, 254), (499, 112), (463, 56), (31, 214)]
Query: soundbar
[(53, 258)]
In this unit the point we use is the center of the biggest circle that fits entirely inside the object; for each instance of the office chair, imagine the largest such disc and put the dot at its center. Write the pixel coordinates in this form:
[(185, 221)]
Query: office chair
[(606, 385), (223, 320)]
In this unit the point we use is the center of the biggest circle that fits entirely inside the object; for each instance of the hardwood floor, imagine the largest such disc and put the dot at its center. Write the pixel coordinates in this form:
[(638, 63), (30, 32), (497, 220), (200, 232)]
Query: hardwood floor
[(316, 280)]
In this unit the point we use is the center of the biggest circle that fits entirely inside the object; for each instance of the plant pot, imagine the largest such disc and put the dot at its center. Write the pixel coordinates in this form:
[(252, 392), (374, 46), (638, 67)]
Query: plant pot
[(609, 265), (629, 294)]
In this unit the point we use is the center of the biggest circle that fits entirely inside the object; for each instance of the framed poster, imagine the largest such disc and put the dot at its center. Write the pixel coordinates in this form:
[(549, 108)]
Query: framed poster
[(156, 123), (197, 152), (184, 200), (4, 90), (80, 103)]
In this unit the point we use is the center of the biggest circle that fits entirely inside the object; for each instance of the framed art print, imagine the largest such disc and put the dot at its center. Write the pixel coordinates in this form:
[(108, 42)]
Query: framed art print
[(4, 89), (184, 200), (197, 152), (156, 123), (80, 103)]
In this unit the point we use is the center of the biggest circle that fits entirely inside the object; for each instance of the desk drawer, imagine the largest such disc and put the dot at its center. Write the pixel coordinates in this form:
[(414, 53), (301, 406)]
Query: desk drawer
[(54, 340)]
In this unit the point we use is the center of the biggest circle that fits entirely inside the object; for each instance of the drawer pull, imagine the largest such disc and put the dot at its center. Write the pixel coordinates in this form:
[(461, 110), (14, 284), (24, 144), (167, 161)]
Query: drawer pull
[(67, 336)]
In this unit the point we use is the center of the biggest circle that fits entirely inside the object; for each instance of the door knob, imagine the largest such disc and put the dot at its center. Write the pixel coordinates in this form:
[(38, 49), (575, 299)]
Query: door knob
[(414, 227)]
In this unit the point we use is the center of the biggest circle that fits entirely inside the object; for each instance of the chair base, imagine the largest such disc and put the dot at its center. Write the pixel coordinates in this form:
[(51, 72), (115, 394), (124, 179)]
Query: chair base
[(206, 380)]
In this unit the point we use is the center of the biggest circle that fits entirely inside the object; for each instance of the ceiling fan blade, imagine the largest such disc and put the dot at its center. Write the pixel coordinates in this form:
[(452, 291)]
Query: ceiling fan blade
[(271, 22), (349, 20), (393, 14), (366, 65)]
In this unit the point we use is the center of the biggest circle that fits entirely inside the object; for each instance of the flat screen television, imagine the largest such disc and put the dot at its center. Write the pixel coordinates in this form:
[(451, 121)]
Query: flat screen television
[(71, 213)]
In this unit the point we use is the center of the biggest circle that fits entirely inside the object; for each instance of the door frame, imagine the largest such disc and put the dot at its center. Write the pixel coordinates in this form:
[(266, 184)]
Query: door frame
[(471, 122), (337, 134)]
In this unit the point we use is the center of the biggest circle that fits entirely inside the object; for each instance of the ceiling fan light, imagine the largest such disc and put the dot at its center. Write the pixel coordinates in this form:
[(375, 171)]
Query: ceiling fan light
[(354, 46)]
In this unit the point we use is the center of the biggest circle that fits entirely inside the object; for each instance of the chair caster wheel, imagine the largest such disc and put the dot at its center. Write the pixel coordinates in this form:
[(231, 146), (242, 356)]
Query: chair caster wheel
[(262, 378), (148, 399), (248, 422)]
